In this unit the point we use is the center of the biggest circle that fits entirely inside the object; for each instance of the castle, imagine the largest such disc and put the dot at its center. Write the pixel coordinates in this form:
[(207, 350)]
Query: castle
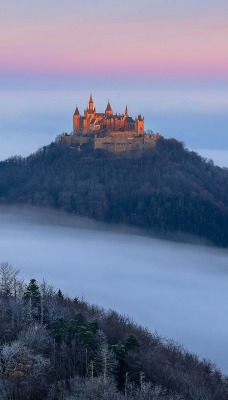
[(107, 121), (112, 132)]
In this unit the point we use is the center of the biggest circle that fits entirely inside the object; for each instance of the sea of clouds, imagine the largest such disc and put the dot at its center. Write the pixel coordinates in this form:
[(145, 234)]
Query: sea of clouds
[(178, 289)]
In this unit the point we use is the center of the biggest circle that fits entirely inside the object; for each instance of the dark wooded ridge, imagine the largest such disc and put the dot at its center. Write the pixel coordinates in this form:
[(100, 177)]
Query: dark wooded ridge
[(164, 189)]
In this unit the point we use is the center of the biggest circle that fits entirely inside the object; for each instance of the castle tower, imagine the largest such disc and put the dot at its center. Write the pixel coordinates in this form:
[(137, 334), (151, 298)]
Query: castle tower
[(108, 110), (91, 107), (76, 120), (139, 125)]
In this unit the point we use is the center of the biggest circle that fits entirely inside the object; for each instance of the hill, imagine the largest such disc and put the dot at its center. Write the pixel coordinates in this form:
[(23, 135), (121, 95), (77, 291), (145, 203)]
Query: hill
[(55, 347), (164, 189)]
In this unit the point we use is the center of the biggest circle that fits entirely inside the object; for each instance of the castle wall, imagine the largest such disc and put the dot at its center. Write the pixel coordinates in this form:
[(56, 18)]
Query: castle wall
[(120, 143), (113, 142), (74, 140), (123, 134)]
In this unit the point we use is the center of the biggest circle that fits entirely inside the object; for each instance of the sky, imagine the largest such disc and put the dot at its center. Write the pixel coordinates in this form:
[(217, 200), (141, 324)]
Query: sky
[(176, 289), (167, 60)]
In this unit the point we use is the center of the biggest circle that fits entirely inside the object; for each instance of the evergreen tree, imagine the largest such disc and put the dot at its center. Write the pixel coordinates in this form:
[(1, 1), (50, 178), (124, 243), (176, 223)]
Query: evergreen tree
[(32, 297)]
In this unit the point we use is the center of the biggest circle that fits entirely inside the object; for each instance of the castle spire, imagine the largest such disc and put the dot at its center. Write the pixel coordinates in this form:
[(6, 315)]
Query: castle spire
[(108, 110), (91, 108), (126, 111), (76, 111)]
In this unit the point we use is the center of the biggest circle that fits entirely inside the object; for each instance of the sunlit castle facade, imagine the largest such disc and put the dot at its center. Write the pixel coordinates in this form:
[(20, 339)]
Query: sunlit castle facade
[(93, 121), (108, 131)]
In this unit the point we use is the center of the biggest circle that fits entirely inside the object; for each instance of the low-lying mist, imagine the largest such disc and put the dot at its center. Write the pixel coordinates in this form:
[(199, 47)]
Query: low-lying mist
[(178, 289)]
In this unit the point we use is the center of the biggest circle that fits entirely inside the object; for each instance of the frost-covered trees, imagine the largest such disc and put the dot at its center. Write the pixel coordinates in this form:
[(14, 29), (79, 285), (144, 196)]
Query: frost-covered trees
[(105, 362), (36, 338), (10, 285), (22, 372), (53, 347), (93, 389), (97, 389)]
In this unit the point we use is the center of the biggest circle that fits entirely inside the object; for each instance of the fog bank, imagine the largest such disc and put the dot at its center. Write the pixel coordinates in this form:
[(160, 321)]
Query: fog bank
[(180, 290), (191, 114)]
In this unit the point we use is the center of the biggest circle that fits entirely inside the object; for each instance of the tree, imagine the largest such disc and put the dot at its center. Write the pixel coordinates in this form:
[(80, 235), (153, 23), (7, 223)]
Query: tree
[(32, 297), (9, 284), (105, 362), (36, 338), (93, 389), (131, 343), (23, 373)]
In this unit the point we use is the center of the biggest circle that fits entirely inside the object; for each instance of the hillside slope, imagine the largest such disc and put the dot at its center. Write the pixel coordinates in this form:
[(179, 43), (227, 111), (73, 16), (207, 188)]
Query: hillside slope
[(167, 188), (54, 347)]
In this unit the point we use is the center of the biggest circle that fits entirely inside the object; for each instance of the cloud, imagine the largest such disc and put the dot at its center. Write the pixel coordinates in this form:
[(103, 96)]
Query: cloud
[(118, 9), (76, 43), (31, 119), (178, 289)]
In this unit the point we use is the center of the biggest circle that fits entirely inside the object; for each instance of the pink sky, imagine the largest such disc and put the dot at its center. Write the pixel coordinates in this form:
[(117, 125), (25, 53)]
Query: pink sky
[(99, 42)]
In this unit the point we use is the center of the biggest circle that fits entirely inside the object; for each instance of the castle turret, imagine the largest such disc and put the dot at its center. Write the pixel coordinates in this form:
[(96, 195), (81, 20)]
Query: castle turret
[(108, 110), (76, 120), (139, 125)]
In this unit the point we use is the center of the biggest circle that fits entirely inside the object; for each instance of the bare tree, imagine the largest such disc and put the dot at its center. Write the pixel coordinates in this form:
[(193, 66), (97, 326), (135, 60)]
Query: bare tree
[(105, 362), (10, 285)]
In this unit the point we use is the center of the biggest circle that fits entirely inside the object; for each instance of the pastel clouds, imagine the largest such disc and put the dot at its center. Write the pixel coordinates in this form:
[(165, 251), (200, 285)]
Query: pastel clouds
[(76, 43)]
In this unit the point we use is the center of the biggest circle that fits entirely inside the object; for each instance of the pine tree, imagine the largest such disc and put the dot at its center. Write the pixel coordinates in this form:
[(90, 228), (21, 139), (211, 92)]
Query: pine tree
[(32, 297)]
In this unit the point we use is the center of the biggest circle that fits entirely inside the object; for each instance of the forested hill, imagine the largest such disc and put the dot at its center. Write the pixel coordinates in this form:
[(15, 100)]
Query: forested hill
[(165, 189), (53, 347)]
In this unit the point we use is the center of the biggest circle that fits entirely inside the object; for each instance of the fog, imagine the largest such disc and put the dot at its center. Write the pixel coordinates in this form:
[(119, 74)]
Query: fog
[(33, 118), (178, 289)]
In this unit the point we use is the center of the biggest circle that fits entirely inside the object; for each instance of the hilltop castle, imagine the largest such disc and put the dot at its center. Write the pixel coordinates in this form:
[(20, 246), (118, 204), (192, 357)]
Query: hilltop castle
[(112, 132), (93, 121)]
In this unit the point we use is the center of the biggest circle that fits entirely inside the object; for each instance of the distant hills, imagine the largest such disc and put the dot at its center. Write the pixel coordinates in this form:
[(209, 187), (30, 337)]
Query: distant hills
[(164, 189)]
